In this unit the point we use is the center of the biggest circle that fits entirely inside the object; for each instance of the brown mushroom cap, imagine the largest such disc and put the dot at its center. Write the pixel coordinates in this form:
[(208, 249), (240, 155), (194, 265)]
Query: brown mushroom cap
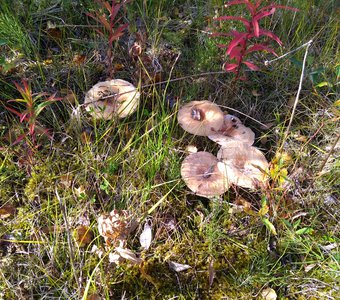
[(243, 165), (124, 101), (201, 118), (200, 173)]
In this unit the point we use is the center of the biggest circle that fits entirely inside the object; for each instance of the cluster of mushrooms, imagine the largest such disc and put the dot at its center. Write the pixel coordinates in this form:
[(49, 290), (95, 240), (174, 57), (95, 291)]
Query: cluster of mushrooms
[(237, 162), (112, 98)]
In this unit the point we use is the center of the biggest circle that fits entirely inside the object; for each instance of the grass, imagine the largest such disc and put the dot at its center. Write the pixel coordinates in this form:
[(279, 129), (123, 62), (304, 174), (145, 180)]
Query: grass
[(92, 167)]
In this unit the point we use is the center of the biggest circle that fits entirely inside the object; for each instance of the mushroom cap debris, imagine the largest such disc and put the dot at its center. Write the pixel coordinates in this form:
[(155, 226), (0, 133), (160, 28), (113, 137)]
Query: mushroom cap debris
[(201, 118), (124, 100), (202, 176), (244, 165)]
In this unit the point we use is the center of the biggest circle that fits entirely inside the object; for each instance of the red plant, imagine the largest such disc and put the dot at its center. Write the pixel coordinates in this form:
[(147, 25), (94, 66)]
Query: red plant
[(242, 44), (33, 107), (110, 23)]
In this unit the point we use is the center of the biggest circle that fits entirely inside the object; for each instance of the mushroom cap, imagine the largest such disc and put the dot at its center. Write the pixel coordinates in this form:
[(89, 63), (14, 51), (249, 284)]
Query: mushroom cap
[(238, 133), (201, 118), (124, 101), (200, 172), (228, 122), (244, 165)]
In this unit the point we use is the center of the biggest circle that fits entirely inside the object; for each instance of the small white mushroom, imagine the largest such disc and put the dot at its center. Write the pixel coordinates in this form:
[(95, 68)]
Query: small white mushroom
[(123, 102)]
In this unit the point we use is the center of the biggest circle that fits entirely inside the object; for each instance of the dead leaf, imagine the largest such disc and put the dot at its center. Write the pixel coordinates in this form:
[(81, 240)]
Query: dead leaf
[(212, 272), (80, 191), (7, 210), (291, 102), (301, 138), (191, 149), (269, 294), (66, 180), (256, 93), (93, 297), (178, 267), (83, 235), (79, 59), (146, 236), (116, 226), (70, 97), (129, 255)]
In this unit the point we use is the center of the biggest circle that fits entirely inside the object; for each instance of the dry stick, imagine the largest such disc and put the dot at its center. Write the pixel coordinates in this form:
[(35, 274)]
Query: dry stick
[(69, 241), (329, 154), (307, 45)]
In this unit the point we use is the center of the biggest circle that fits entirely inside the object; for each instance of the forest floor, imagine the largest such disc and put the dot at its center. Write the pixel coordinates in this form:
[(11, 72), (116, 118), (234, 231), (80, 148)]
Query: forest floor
[(56, 186)]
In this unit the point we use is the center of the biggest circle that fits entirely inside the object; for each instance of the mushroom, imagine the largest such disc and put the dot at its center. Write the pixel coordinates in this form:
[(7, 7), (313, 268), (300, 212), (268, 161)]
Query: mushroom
[(202, 176), (229, 122), (124, 100), (201, 118), (244, 165), (235, 135)]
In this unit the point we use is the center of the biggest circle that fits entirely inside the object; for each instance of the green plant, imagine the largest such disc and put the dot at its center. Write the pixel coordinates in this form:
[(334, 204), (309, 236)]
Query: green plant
[(112, 28), (29, 116)]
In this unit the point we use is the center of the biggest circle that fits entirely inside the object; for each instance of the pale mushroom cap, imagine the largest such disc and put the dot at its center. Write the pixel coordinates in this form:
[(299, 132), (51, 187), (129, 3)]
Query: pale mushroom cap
[(235, 135), (123, 104), (201, 118), (228, 122), (243, 165), (200, 173)]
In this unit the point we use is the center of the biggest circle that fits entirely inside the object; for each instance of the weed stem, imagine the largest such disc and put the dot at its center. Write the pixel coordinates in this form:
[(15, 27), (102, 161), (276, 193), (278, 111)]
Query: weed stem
[(267, 62), (298, 92)]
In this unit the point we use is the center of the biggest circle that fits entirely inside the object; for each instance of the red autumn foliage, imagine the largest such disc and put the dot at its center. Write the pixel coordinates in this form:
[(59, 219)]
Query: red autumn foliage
[(242, 43), (110, 22)]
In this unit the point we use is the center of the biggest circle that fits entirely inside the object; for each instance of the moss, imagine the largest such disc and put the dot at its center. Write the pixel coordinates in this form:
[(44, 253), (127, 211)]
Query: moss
[(41, 180)]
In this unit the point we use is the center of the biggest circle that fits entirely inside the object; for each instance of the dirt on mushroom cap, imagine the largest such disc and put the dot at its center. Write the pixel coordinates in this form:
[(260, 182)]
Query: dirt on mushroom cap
[(200, 117), (200, 173), (124, 100)]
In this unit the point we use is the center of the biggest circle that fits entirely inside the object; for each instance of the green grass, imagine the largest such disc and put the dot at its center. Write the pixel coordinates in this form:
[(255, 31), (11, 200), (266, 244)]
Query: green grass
[(134, 164)]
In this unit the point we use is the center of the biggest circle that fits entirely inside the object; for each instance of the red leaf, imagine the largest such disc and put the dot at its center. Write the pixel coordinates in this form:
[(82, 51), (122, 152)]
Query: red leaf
[(236, 41), (251, 66), (259, 47), (19, 114), (230, 67), (263, 14), (244, 20), (19, 139), (236, 53), (256, 27), (271, 35)]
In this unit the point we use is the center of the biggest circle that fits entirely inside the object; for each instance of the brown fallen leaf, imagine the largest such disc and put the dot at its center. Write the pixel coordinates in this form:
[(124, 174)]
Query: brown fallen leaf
[(7, 210), (83, 235)]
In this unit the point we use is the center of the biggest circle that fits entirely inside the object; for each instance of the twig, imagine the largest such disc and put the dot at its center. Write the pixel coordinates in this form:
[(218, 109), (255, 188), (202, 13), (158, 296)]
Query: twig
[(329, 154), (307, 45), (267, 62)]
